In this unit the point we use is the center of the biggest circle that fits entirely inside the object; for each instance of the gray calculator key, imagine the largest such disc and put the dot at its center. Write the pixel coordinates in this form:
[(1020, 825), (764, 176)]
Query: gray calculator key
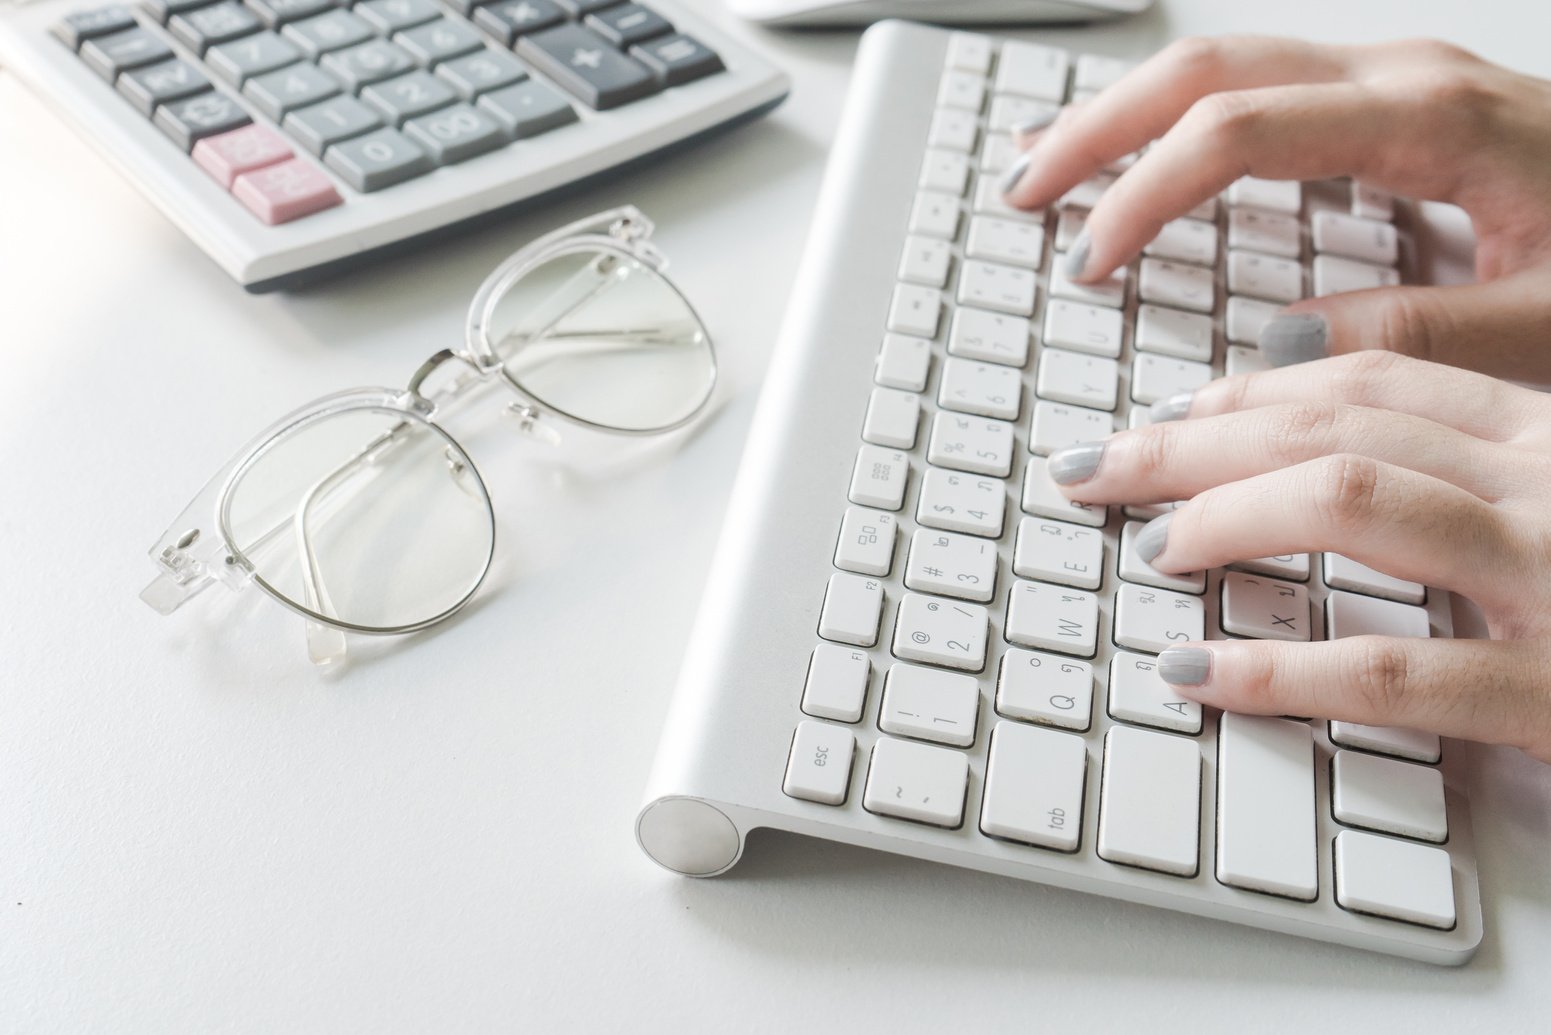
[(157, 84), (88, 24), (161, 10), (456, 133), (202, 115), (379, 159), (276, 13), (578, 8), (110, 55), (238, 61), (584, 64), (440, 40), (628, 24), (528, 109), (474, 74), (409, 95), (389, 16), (339, 118), (508, 19), (205, 26), (677, 59), (276, 93), (333, 30), (369, 62)]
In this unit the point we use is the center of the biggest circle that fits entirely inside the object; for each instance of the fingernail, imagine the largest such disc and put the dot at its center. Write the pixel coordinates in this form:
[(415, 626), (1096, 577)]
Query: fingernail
[(1295, 338), (1077, 257), (1173, 408), (1036, 123), (1152, 537), (1075, 463), (1015, 173), (1185, 666)]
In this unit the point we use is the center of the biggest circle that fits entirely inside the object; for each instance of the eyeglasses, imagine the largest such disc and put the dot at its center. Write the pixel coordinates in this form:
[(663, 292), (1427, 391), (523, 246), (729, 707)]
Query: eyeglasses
[(360, 513)]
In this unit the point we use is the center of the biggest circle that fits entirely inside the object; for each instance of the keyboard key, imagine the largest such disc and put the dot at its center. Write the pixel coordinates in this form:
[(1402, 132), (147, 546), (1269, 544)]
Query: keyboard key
[(512, 18), (984, 389), (917, 782), (1054, 551), (322, 125), (1108, 292), (1045, 688), (1270, 233), (1247, 317), (1185, 240), (903, 362), (1096, 330), (1152, 619), (962, 90), (377, 159), (1150, 801), (1344, 573), (439, 41), (1264, 276), (853, 606), (1008, 112), (879, 478), (285, 191), (950, 633), (1177, 284), (951, 565), (414, 93), (1138, 694), (1293, 566), (1389, 796), (993, 337), (988, 199), (390, 16), (1082, 380), (1034, 787), (587, 67), (1241, 359), (1265, 806), (275, 13), (1372, 202), (915, 310), (193, 118), (925, 261), (1055, 426), (953, 129), (971, 444), (819, 767), (1334, 275), (157, 84), (1042, 498), (1173, 332), (628, 24), (1264, 609), (891, 418), (1367, 240), (1095, 72), (866, 544), (1276, 195), (161, 10), (988, 285), (836, 687), (1030, 70), (1388, 740), (204, 26), (1156, 377), (76, 28), (1134, 569), (111, 54), (527, 109), (929, 704), (228, 155), (369, 62), (1010, 241), (1069, 226), (1087, 193), (1352, 614), (969, 52), (1395, 879), (277, 93), (253, 55), (1053, 618), (997, 154), (935, 214), (961, 503)]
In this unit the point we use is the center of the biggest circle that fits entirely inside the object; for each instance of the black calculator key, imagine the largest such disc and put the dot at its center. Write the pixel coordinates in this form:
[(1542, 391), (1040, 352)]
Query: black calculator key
[(161, 10), (240, 60), (110, 55), (276, 93), (202, 115), (389, 16), (678, 59), (528, 109), (321, 125), (151, 85), (367, 63), (509, 19), (88, 24), (456, 133), (584, 64), (379, 159), (276, 13), (484, 70), (203, 26), (628, 24)]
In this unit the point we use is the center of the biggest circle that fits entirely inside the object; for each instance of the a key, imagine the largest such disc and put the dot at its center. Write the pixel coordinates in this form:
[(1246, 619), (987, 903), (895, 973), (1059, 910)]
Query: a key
[(1056, 425), (226, 156), (1110, 291), (969, 52), (508, 19), (1156, 377), (275, 13), (1258, 230), (866, 544), (853, 606), (925, 261), (1095, 72), (944, 170), (280, 92), (1206, 211), (1053, 618), (965, 91), (1150, 801), (1153, 619), (929, 704), (526, 109), (1293, 566), (1174, 332), (481, 71), (989, 285), (1087, 193), (1177, 284), (285, 191), (1138, 694), (587, 67), (157, 84), (333, 30), (1265, 806), (1264, 276), (161, 10), (953, 129), (1043, 498), (836, 687), (254, 55), (935, 214), (915, 310), (919, 782), (1055, 551), (993, 337), (1145, 511), (440, 40), (1134, 569), (891, 418), (377, 159), (339, 118), (1034, 787), (389, 16), (1368, 240), (1247, 317), (1276, 195), (989, 200), (1006, 240), (1078, 379), (961, 503), (1241, 359), (819, 766), (951, 565), (111, 54), (1185, 240), (1264, 609), (1045, 688), (1351, 614), (1342, 572), (200, 28), (997, 153), (879, 478), (903, 362), (1008, 111), (1030, 70), (985, 389), (951, 633), (369, 62), (1372, 202), (203, 115), (1387, 740), (1334, 275), (76, 28), (1389, 796), (973, 444), (1069, 226), (411, 94), (677, 59), (1096, 330), (1396, 879)]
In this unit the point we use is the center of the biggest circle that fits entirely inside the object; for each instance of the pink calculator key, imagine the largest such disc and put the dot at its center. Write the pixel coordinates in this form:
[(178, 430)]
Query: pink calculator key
[(227, 156), (287, 191)]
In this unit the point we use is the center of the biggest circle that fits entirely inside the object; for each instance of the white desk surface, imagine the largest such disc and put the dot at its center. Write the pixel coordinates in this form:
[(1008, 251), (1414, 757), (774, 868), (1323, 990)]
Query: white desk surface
[(198, 831)]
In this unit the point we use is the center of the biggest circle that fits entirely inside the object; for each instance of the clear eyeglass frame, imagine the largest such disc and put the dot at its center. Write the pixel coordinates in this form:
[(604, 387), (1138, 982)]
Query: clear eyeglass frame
[(359, 511)]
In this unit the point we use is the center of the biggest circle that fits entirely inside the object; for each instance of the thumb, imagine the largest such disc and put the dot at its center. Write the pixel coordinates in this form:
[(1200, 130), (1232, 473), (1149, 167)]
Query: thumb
[(1500, 327)]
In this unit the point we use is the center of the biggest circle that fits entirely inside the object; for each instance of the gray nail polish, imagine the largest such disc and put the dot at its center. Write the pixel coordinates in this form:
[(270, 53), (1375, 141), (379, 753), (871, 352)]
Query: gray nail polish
[(1152, 537), (1295, 338), (1173, 408), (1075, 463), (1077, 257), (1035, 124), (1015, 172), (1185, 666)]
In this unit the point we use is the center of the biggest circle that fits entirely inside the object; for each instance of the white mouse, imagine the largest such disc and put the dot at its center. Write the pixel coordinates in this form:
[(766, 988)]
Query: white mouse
[(952, 12)]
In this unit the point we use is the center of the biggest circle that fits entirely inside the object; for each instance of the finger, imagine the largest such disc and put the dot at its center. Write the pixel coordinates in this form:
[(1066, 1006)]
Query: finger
[(1487, 690), (1178, 460), (1497, 328), (1148, 100)]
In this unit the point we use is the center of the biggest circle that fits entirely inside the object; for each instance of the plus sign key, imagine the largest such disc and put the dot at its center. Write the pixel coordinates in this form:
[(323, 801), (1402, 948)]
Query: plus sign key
[(584, 64)]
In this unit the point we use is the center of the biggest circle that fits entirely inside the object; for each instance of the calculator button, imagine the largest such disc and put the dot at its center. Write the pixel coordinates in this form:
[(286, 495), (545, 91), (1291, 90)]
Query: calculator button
[(474, 74), (456, 133), (157, 84), (161, 10), (262, 52), (226, 156), (378, 159), (200, 28), (334, 30), (277, 12), (109, 55), (369, 62), (276, 93), (509, 19), (338, 118), (628, 24), (409, 95), (76, 28), (202, 115), (586, 66), (439, 40), (390, 16), (285, 191), (527, 109)]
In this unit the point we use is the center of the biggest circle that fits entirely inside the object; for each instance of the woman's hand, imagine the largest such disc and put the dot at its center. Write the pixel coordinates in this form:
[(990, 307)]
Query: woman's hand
[(1423, 472), (1418, 118)]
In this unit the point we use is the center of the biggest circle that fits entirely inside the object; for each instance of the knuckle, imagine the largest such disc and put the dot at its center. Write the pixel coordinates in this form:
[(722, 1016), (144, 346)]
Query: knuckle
[(1150, 452), (1199, 58), (1305, 430), (1431, 52), (1362, 377), (1380, 675), (1344, 489), (1226, 120)]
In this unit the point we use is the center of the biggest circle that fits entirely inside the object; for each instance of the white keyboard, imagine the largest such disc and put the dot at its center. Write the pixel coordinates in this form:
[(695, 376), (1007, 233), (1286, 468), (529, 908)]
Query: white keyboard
[(912, 642), (290, 138)]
